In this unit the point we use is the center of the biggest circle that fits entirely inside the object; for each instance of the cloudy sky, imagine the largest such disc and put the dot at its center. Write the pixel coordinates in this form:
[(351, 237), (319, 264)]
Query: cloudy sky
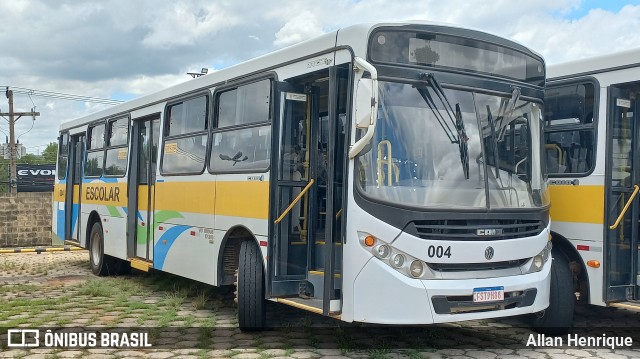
[(122, 49)]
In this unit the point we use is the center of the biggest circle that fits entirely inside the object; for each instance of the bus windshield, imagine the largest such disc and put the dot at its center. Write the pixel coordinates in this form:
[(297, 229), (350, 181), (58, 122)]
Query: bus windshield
[(447, 148)]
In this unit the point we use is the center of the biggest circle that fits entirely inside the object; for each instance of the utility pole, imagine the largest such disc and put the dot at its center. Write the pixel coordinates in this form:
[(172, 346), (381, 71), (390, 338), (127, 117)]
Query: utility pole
[(13, 149)]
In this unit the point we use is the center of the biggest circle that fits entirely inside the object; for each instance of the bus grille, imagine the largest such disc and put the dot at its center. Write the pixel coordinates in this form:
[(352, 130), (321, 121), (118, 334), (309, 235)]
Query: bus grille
[(455, 267), (475, 230)]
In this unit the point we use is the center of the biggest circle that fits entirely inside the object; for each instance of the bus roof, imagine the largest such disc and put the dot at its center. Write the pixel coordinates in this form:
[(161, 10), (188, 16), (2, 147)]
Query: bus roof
[(355, 37), (594, 65)]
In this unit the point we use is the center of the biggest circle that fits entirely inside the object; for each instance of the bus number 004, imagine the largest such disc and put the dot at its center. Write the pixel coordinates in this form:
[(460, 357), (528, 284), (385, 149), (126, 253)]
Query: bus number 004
[(439, 251)]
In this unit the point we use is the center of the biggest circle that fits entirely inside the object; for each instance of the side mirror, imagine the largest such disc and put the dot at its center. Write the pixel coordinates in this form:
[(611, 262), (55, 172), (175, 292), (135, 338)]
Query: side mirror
[(366, 104), (364, 99)]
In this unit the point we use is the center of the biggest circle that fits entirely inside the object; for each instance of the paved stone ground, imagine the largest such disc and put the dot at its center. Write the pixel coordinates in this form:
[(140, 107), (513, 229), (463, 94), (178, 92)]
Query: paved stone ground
[(185, 319)]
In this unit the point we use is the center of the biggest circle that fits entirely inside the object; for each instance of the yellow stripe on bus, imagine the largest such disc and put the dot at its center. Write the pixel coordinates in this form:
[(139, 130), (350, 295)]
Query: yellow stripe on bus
[(243, 199), (143, 197), (238, 198), (58, 192), (194, 197), (579, 204), (110, 194)]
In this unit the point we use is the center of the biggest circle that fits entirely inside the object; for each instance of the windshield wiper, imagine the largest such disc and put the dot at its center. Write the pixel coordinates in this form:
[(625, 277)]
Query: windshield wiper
[(455, 118), (494, 140), (462, 143), (507, 112), (434, 109)]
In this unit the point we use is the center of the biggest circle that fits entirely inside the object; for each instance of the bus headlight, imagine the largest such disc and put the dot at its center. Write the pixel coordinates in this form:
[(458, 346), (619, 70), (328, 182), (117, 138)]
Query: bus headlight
[(382, 251), (541, 258), (538, 262), (416, 268), (397, 260), (400, 261)]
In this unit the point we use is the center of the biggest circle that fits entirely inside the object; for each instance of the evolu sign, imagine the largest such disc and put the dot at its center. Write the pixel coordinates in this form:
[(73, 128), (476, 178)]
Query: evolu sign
[(36, 178)]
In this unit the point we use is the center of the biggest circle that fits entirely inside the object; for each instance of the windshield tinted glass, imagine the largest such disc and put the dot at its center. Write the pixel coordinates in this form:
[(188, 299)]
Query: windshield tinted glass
[(428, 154)]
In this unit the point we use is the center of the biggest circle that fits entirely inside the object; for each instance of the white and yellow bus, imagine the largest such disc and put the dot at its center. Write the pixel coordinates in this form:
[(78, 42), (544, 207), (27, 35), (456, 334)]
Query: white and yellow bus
[(591, 134), (387, 173)]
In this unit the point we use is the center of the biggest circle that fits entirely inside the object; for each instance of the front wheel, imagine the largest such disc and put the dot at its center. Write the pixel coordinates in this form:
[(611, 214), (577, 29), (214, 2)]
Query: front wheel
[(250, 288), (558, 317), (101, 264)]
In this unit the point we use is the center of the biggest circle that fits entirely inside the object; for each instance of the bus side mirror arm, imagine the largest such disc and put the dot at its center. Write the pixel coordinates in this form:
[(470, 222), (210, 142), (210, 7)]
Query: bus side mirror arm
[(366, 104)]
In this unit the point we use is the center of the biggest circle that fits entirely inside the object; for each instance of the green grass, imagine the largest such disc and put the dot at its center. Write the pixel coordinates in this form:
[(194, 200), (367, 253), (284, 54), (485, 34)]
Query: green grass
[(288, 352), (174, 299), (203, 353), (99, 288), (200, 301), (7, 265), (379, 353), (19, 288)]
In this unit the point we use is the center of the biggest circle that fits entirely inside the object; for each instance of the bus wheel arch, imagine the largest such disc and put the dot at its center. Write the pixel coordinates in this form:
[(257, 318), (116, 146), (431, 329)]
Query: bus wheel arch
[(94, 217), (228, 262), (105, 264), (100, 263), (578, 268), (243, 257)]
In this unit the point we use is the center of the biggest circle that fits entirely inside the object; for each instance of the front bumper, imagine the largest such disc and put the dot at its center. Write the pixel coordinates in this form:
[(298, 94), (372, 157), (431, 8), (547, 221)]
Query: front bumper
[(383, 295)]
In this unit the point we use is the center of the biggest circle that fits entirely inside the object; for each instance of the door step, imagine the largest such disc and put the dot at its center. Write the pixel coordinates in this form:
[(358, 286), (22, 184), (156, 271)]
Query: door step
[(316, 278), (313, 305), (140, 264), (635, 306)]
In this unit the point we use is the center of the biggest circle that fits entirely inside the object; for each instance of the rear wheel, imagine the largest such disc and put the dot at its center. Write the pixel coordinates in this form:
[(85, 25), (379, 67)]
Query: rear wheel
[(558, 317), (250, 288), (101, 264)]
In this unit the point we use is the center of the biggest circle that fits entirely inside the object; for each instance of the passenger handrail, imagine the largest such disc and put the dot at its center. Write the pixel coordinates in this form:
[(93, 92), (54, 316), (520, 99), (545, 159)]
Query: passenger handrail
[(295, 201), (626, 207)]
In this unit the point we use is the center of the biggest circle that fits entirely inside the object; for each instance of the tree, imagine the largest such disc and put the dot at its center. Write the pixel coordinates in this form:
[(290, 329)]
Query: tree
[(50, 153), (30, 159)]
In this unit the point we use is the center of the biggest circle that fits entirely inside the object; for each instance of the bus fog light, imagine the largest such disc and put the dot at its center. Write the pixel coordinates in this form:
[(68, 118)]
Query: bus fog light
[(416, 268), (538, 261), (382, 251), (397, 260)]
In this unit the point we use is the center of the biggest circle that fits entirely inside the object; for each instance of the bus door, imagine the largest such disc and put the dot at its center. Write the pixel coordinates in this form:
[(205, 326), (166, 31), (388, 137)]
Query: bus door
[(72, 199), (305, 191), (623, 185), (141, 190)]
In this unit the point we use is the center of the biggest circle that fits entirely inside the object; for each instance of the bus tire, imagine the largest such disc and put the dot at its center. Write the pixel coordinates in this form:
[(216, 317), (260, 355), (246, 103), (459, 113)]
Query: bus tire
[(558, 317), (250, 288), (101, 264)]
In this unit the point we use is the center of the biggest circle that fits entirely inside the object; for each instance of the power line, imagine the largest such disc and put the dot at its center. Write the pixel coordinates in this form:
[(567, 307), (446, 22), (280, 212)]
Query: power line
[(63, 96)]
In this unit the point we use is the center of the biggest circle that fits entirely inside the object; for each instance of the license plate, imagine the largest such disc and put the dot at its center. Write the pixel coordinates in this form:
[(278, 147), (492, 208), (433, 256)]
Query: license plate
[(488, 294)]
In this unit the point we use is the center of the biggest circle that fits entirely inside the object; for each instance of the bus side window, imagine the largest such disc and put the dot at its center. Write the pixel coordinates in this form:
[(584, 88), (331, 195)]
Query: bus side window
[(570, 128), (185, 135), (242, 141)]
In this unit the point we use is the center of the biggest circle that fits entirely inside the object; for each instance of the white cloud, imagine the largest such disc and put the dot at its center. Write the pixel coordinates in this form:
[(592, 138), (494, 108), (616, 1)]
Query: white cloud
[(599, 32), (148, 84), (303, 26), (185, 23)]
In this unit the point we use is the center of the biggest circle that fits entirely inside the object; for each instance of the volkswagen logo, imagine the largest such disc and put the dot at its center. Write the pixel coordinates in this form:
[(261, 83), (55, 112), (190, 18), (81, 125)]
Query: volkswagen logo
[(488, 253)]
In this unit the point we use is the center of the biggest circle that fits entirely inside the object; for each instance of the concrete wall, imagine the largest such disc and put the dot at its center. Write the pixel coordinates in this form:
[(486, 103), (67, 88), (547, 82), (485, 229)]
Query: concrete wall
[(25, 220)]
